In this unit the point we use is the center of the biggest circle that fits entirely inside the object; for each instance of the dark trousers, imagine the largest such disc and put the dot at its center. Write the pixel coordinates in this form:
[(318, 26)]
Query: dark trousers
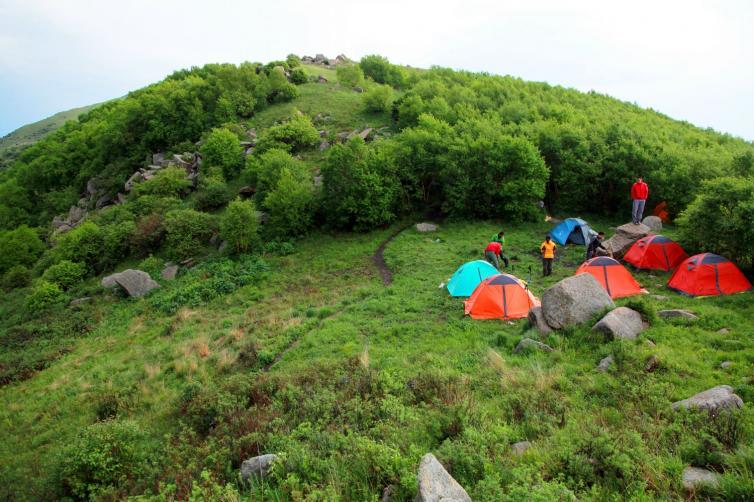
[(504, 259), (546, 266)]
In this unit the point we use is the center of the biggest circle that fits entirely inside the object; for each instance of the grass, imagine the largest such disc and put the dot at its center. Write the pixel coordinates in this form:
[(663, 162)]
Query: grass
[(351, 382)]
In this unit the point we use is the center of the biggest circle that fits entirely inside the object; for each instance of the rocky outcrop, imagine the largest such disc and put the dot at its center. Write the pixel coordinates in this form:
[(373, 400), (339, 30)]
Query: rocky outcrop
[(527, 344), (712, 399), (537, 320), (520, 447), (625, 236), (426, 227), (621, 323), (257, 466), (135, 282), (677, 314), (574, 300), (436, 485), (696, 477), (653, 222)]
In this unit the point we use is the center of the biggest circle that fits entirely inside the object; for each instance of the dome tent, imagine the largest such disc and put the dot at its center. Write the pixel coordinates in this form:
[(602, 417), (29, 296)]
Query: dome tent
[(468, 276), (501, 296), (655, 252), (708, 274), (574, 230), (617, 281)]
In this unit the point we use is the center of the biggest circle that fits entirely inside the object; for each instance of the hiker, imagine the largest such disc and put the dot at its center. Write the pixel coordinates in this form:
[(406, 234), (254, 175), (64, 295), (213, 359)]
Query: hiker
[(548, 254), (639, 194), (594, 247), (500, 237), (491, 253)]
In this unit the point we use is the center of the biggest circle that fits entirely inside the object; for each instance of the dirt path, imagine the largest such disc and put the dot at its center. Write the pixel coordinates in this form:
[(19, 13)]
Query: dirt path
[(379, 259)]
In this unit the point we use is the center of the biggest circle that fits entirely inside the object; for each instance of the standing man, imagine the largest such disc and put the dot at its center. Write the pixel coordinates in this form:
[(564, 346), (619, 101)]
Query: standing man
[(639, 194), (500, 237), (548, 254)]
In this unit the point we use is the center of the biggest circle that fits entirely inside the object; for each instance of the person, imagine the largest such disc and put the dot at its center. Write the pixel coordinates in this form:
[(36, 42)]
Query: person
[(548, 254), (639, 194), (500, 237), (595, 245), (492, 252)]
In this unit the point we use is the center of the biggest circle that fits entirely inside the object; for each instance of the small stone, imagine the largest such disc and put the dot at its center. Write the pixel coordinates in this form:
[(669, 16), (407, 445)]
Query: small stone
[(696, 477), (677, 313), (426, 227), (723, 331), (652, 364), (258, 466), (528, 343), (726, 364), (388, 493), (605, 364), (712, 399), (653, 222), (169, 272), (321, 79), (659, 298), (520, 447), (436, 485)]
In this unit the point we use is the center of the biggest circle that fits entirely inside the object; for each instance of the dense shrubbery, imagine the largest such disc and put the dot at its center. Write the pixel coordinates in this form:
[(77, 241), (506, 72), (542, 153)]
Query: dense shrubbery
[(378, 98), (187, 231), (43, 296), (350, 75), (65, 274), (263, 171), (238, 225), (17, 276), (21, 246), (222, 149), (382, 71), (290, 203), (295, 135), (168, 182)]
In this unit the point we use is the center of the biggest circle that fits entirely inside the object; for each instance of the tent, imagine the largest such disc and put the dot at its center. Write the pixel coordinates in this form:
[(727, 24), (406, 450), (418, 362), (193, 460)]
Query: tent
[(501, 296), (655, 252), (468, 276), (573, 230), (708, 274), (613, 276)]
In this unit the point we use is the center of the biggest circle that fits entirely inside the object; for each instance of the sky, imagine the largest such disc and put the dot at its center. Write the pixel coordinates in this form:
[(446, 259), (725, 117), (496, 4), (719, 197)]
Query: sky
[(691, 60)]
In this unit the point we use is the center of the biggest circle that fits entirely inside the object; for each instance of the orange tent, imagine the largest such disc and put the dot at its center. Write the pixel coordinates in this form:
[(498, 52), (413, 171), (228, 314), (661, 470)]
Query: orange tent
[(708, 274), (655, 252), (501, 296), (613, 276), (661, 211)]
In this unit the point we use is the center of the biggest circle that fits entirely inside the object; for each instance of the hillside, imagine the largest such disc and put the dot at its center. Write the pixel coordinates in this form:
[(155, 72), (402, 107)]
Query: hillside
[(263, 199)]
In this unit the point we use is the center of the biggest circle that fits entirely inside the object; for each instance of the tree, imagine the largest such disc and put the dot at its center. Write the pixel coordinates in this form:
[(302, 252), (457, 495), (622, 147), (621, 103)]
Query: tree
[(295, 135), (223, 149), (291, 203), (187, 231), (21, 246), (239, 225), (350, 75), (278, 88), (378, 98), (263, 171)]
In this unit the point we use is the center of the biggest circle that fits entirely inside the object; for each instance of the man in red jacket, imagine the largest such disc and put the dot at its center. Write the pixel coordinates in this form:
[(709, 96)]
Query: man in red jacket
[(639, 194)]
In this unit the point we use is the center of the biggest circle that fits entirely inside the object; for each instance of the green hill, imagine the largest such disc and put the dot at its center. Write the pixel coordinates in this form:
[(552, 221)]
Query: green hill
[(305, 318)]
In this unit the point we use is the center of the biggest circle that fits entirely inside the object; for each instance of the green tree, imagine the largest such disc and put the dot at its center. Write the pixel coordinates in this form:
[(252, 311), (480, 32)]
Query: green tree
[(295, 135), (278, 88), (263, 171), (378, 98), (291, 203), (21, 246), (350, 75), (239, 225), (65, 274), (187, 231), (222, 149)]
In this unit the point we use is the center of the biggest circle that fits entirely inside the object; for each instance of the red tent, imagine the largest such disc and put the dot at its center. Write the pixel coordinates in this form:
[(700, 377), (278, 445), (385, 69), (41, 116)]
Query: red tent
[(708, 274), (655, 252), (501, 296), (617, 281)]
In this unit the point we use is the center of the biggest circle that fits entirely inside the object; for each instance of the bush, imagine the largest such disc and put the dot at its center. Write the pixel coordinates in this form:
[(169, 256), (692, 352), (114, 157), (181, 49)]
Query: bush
[(239, 224), (264, 171), (21, 246), (152, 265), (104, 456), (213, 195), (380, 70), (279, 89), (116, 243), (350, 75), (167, 182), (293, 136), (17, 276), (378, 98), (43, 296), (187, 231), (222, 149), (65, 274), (148, 235), (299, 76), (290, 204), (149, 204), (293, 61), (83, 244)]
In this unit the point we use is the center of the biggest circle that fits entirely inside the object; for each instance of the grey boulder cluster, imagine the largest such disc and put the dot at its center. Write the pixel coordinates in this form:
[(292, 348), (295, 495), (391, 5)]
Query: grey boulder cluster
[(321, 59), (188, 161), (625, 236)]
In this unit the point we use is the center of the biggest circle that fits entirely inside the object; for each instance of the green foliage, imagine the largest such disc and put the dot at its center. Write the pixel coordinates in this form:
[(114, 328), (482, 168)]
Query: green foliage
[(299, 76), (295, 135), (148, 234), (293, 60), (187, 231), (212, 194), (17, 276), (167, 182), (278, 88), (382, 71), (378, 98), (263, 171), (350, 75), (15, 205), (44, 295), (65, 274), (152, 204), (291, 203), (21, 246), (222, 149), (720, 219), (239, 224), (83, 244)]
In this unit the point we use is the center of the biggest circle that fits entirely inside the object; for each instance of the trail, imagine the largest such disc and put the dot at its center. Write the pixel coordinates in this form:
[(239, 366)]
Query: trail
[(379, 259)]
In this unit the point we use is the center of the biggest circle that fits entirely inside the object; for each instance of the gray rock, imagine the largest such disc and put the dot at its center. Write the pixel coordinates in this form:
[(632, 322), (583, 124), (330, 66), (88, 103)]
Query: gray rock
[(157, 158), (527, 343), (605, 364), (388, 493), (426, 227), (358, 89), (723, 331), (321, 79), (574, 300), (436, 485), (324, 145), (135, 178), (365, 133), (625, 236), (91, 187), (520, 447), (696, 477), (80, 301), (677, 313), (58, 222), (120, 198), (258, 466), (75, 215), (632, 231), (136, 282), (653, 222), (537, 320), (726, 364), (318, 181), (109, 281), (653, 362), (622, 323), (169, 272), (222, 247), (103, 201), (712, 399), (659, 298)]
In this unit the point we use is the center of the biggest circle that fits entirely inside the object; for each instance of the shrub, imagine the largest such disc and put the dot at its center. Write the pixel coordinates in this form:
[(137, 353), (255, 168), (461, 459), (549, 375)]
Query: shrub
[(295, 135), (239, 224), (149, 204), (293, 61), (222, 149), (380, 70), (21, 246), (264, 171), (378, 98), (214, 195), (152, 265), (83, 244), (290, 204), (279, 89), (299, 76), (187, 231), (116, 243), (167, 182), (350, 75), (104, 456), (65, 274), (17, 276), (43, 296), (149, 234)]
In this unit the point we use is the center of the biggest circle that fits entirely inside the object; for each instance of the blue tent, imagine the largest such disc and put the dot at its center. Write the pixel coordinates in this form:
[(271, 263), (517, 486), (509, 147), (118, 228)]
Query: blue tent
[(573, 230), (468, 276)]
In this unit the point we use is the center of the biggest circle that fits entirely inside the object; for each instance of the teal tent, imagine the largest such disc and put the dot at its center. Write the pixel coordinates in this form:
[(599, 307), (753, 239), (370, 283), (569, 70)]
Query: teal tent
[(468, 276)]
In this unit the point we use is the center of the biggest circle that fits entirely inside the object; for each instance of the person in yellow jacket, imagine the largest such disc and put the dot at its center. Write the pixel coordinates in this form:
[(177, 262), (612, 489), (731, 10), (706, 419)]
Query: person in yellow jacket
[(548, 254)]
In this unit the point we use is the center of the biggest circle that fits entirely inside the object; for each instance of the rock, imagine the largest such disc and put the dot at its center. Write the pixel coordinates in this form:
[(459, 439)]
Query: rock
[(520, 447), (653, 362), (426, 227), (365, 133), (222, 247), (574, 300), (58, 222), (169, 272), (723, 331), (103, 201), (696, 477), (258, 466), (388, 493), (659, 298), (91, 187), (677, 313), (324, 145), (320, 58), (632, 231), (653, 222), (321, 79), (75, 215), (121, 198), (135, 178), (358, 89), (712, 399), (80, 301), (109, 281), (318, 181), (436, 485), (726, 364), (342, 136), (247, 191), (605, 364), (527, 343), (537, 320), (136, 282), (623, 323), (157, 158), (625, 236)]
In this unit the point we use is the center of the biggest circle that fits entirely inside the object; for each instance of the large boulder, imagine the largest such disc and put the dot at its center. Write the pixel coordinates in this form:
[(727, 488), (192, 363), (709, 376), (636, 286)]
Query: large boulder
[(574, 300), (712, 399), (621, 323), (436, 485), (625, 236), (537, 320), (426, 227), (696, 477), (136, 282), (258, 466), (653, 222)]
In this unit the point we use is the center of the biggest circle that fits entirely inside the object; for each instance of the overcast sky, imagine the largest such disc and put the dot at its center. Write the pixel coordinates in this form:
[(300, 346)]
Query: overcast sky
[(691, 60)]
